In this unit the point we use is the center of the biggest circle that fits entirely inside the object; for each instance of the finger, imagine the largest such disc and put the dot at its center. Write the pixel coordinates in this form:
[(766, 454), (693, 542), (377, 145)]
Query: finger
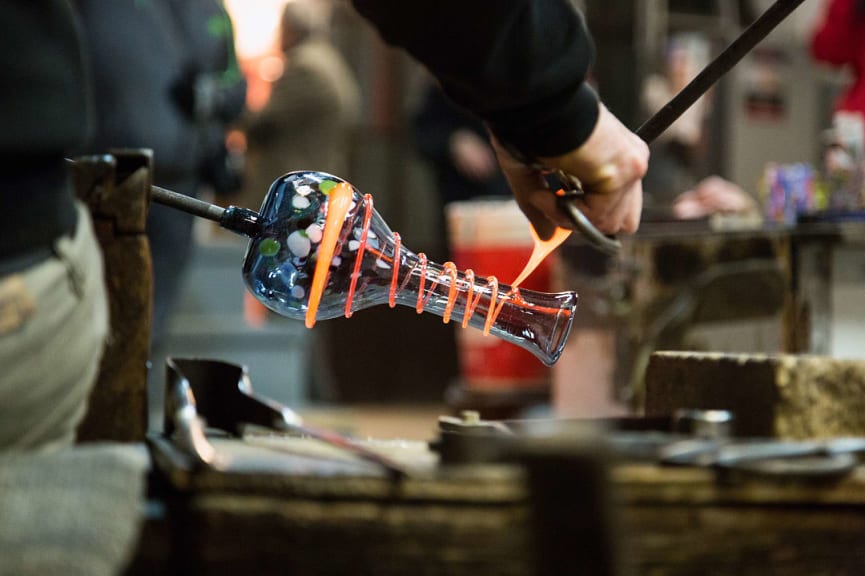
[(634, 210), (614, 213), (536, 201)]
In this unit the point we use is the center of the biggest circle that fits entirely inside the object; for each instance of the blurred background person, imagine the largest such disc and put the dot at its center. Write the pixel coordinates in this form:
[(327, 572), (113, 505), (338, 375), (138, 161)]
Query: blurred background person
[(676, 183), (310, 117), (677, 152), (839, 40), (164, 78), (456, 145), (308, 122), (212, 90)]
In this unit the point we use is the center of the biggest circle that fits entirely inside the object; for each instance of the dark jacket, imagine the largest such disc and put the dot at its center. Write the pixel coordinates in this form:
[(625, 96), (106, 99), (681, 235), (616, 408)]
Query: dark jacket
[(520, 65), (45, 115), (212, 88), (146, 57), (137, 57)]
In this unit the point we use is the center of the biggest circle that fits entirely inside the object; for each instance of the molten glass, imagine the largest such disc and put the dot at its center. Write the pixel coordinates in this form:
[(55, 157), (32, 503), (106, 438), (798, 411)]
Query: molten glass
[(321, 251)]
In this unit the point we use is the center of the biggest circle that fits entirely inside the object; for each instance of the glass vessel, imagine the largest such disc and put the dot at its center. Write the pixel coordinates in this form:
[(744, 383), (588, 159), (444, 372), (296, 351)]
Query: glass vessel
[(308, 217)]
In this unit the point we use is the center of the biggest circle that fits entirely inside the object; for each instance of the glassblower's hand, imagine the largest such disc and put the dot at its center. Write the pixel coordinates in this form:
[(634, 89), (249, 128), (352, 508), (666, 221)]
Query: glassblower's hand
[(610, 165)]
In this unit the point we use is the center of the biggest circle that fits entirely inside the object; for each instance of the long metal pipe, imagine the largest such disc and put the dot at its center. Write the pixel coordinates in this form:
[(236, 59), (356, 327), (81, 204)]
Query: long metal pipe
[(186, 203)]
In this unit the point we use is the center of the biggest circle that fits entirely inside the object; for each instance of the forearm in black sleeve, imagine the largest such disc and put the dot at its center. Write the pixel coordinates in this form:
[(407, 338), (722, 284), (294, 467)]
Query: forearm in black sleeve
[(521, 65)]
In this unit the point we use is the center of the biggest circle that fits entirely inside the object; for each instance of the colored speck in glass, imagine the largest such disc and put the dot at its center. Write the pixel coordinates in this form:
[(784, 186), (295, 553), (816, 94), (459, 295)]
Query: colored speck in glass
[(268, 247), (326, 186)]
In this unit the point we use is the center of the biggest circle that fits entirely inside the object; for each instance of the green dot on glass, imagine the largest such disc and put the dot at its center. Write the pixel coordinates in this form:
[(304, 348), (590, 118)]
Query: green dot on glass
[(268, 247), (326, 186)]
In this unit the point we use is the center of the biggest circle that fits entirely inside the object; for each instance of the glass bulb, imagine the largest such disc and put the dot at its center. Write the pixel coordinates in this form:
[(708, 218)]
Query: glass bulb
[(312, 216)]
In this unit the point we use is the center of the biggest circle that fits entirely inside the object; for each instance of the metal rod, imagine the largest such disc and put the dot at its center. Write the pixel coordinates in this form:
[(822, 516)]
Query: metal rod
[(758, 30), (186, 203)]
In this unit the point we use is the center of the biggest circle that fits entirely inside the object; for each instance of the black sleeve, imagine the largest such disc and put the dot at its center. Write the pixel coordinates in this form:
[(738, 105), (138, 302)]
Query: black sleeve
[(521, 65)]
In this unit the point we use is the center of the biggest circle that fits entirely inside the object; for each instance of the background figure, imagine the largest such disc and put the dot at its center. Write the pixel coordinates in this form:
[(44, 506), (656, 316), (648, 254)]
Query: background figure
[(307, 123), (309, 120), (164, 78), (676, 152), (839, 40), (715, 195), (456, 145), (212, 90)]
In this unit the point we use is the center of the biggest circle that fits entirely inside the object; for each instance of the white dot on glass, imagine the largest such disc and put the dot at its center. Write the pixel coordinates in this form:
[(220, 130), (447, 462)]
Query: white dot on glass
[(299, 244)]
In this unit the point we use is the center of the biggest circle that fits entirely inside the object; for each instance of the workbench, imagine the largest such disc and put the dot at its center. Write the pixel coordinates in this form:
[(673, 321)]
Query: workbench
[(270, 502), (710, 284)]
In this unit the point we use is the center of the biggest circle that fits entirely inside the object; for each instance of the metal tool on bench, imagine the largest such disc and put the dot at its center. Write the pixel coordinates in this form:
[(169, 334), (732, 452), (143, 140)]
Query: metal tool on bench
[(571, 188), (202, 394), (700, 438), (802, 460)]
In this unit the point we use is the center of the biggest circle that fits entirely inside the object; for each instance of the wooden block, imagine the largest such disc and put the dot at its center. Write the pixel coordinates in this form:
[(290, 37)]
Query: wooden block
[(784, 396), (116, 189)]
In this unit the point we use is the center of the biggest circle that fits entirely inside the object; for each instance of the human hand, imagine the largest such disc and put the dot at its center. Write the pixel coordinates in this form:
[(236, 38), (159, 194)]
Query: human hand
[(610, 166), (713, 195), (472, 156)]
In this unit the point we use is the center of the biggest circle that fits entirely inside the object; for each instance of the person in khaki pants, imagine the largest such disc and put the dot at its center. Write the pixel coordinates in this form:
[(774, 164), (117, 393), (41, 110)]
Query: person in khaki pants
[(53, 307), (53, 324)]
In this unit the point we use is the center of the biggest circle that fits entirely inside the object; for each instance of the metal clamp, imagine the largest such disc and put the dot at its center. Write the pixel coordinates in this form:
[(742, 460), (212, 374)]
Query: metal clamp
[(571, 190)]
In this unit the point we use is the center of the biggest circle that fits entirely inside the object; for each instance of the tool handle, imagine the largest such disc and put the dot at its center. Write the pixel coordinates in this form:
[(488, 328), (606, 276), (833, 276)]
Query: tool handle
[(186, 203), (239, 220)]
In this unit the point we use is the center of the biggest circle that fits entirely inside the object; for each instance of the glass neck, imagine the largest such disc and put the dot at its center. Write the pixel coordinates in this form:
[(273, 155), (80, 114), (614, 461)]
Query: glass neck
[(536, 321)]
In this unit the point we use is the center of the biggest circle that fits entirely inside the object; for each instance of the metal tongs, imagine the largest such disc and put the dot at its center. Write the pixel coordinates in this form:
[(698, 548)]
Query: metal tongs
[(571, 187)]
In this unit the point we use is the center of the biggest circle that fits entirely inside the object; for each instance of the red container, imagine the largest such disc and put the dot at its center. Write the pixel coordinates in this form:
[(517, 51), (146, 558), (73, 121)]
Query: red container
[(492, 238)]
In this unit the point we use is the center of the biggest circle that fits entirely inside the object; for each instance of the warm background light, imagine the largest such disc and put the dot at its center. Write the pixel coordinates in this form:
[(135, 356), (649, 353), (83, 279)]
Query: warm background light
[(255, 25)]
